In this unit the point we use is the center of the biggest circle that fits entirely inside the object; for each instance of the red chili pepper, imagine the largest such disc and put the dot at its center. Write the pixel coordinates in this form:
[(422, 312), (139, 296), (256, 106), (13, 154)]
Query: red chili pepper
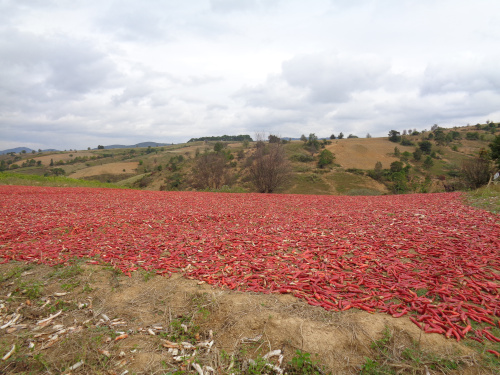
[(494, 352), (400, 314)]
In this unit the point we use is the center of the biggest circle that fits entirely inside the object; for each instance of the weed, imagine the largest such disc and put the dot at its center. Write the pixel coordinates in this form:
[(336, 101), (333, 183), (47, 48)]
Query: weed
[(302, 363), (87, 288), (70, 286), (41, 360), (32, 289), (15, 272), (389, 357), (421, 292), (61, 305), (66, 272), (370, 367), (257, 366), (147, 275), (182, 330)]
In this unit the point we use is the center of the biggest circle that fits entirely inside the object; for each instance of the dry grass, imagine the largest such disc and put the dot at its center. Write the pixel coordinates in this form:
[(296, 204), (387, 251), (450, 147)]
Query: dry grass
[(155, 312), (109, 168)]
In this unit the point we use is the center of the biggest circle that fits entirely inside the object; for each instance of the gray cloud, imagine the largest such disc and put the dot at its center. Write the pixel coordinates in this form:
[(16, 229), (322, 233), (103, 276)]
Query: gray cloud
[(149, 21), (88, 72), (45, 69), (464, 75), (333, 79), (228, 6)]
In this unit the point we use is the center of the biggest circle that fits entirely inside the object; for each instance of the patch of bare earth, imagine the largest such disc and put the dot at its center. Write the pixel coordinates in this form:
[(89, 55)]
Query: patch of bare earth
[(110, 168), (93, 319)]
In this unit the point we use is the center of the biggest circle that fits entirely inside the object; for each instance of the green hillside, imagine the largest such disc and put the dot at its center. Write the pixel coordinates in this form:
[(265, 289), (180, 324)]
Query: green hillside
[(430, 161)]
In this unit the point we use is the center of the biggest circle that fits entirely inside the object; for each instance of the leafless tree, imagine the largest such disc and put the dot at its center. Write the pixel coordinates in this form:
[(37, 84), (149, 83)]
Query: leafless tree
[(270, 168), (211, 171), (476, 171)]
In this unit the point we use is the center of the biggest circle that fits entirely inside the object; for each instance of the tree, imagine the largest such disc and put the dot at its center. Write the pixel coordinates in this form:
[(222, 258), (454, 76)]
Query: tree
[(58, 172), (341, 135), (377, 172), (100, 147), (218, 146), (303, 138), (274, 138), (439, 137), (397, 152), (495, 150), (396, 166), (394, 136), (428, 162), (417, 155), (368, 135), (326, 157), (399, 185), (332, 136), (352, 136), (270, 168), (312, 145), (211, 171), (472, 136), (476, 172), (425, 147), (51, 162)]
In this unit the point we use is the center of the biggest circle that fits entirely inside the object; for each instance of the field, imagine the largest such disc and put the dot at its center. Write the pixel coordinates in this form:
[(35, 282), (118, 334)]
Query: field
[(363, 153), (111, 168), (426, 265)]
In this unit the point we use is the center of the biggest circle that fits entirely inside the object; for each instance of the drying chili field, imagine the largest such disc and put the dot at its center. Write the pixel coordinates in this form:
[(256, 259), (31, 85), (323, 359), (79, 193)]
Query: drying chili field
[(427, 256)]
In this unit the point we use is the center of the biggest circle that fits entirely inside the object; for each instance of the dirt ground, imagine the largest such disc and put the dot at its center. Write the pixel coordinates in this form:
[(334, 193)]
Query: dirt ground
[(110, 168), (110, 324)]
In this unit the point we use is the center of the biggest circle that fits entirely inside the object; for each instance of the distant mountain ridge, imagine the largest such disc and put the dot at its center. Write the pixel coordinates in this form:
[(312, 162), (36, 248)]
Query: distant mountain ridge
[(141, 144), (21, 149)]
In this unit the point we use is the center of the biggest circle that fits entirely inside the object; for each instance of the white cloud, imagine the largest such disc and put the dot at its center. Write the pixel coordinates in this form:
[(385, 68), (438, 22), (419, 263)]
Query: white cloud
[(466, 75), (87, 72), (334, 78)]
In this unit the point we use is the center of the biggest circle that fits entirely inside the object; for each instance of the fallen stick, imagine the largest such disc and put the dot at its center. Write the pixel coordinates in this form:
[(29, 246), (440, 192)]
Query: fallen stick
[(7, 356), (12, 321), (47, 320)]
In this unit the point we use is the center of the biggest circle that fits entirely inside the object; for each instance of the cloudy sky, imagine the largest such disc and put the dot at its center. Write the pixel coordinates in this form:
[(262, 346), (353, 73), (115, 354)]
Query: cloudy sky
[(78, 73)]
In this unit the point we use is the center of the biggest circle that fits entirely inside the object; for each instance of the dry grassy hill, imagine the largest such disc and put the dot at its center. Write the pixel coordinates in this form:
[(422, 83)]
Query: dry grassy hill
[(173, 167)]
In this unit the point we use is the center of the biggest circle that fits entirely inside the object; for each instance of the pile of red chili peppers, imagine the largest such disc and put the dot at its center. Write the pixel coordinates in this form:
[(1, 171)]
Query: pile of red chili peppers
[(427, 256)]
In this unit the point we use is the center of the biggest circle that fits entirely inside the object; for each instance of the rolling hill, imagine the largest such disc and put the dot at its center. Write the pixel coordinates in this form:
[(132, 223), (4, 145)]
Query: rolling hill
[(157, 166)]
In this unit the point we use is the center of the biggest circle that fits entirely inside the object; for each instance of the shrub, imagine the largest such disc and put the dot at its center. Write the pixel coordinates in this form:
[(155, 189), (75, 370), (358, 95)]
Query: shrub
[(406, 142), (325, 158), (472, 136), (394, 136), (302, 158)]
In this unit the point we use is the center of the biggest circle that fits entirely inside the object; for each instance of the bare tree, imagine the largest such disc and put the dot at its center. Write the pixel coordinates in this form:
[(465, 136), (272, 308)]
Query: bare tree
[(211, 171), (270, 168), (476, 171)]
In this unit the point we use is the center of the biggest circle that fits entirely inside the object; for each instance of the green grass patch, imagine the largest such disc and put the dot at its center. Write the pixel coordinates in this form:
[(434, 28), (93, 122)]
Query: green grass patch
[(310, 183), (345, 181), (394, 352), (9, 178), (486, 198)]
